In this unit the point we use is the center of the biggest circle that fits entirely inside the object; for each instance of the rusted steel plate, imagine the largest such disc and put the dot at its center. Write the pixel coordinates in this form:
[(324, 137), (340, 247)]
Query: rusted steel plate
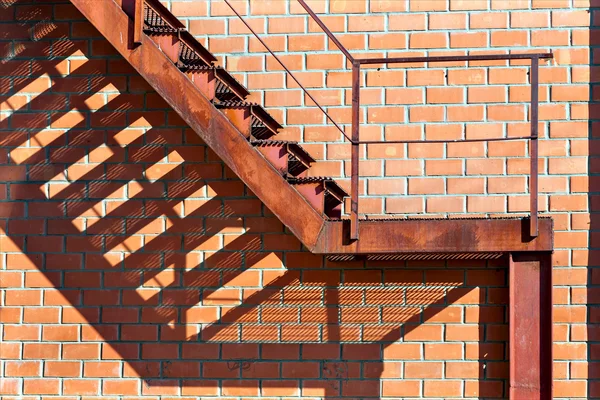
[(210, 124), (530, 326), (435, 236)]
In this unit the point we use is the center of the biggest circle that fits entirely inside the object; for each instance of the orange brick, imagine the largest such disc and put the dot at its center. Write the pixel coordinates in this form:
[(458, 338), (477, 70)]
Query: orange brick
[(443, 167), (306, 43), (423, 370), (470, 76), (386, 6), (445, 204), (468, 5), (348, 7), (429, 40), (428, 5), (445, 95), (366, 23), (406, 205), (490, 94), (465, 113), (401, 388), (571, 18), (550, 38), (406, 22), (448, 21), (426, 186), (386, 41), (442, 388), (468, 39), (509, 38), (528, 19), (426, 114), (490, 20)]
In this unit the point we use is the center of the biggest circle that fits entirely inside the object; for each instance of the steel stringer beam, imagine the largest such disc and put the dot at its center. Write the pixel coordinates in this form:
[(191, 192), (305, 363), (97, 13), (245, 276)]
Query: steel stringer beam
[(215, 129), (447, 236), (530, 342)]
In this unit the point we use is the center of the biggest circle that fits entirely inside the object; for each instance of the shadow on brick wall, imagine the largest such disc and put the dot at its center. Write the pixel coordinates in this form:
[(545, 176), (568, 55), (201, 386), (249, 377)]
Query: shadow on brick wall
[(159, 263)]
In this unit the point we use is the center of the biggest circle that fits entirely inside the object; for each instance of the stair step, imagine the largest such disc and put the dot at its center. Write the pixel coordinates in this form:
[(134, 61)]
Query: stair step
[(210, 80), (322, 192), (192, 54), (158, 22), (250, 118), (227, 84), (289, 157)]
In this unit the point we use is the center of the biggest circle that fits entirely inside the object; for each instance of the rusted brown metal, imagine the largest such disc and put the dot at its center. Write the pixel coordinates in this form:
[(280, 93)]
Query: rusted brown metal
[(533, 178), (355, 162), (263, 179), (436, 59), (200, 114), (530, 259), (205, 80), (138, 21), (530, 342), (446, 140), (464, 235)]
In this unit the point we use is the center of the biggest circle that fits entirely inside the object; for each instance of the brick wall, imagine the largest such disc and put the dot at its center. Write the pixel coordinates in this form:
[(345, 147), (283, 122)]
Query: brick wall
[(134, 263)]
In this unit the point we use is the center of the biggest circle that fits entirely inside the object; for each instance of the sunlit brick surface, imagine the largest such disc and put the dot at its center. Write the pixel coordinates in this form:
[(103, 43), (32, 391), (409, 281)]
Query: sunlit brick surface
[(133, 263)]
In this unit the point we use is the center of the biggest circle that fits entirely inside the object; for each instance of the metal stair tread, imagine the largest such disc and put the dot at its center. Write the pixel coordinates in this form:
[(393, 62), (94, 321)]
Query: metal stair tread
[(192, 54), (329, 183), (296, 150), (155, 22)]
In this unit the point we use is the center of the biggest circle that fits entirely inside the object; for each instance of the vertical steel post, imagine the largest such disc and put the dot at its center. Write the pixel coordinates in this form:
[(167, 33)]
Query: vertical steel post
[(530, 327), (533, 178), (138, 21), (355, 151)]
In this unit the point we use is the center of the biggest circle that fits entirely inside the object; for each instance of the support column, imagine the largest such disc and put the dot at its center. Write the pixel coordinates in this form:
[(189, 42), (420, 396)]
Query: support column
[(530, 344)]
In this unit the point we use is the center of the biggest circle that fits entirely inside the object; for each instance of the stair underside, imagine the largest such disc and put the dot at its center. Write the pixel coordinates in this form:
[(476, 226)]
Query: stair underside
[(320, 234)]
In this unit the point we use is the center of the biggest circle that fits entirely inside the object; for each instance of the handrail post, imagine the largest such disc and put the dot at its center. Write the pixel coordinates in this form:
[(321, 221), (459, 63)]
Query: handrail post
[(533, 179), (354, 162), (138, 21)]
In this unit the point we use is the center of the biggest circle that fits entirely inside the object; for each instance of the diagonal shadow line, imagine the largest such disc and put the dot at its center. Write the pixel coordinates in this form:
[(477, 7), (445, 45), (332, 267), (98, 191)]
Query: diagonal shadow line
[(114, 107)]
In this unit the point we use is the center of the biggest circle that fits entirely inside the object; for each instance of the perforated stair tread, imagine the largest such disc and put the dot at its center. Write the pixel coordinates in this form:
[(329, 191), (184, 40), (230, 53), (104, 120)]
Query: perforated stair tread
[(329, 184), (227, 82), (156, 23), (192, 55), (294, 149), (262, 118), (228, 93)]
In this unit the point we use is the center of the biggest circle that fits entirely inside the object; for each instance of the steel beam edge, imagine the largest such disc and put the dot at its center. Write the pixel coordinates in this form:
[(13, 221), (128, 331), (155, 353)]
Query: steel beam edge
[(530, 313), (464, 235), (198, 112)]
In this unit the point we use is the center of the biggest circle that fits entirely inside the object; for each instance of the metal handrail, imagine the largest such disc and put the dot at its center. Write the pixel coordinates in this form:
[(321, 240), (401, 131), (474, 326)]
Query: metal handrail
[(286, 69), (355, 138)]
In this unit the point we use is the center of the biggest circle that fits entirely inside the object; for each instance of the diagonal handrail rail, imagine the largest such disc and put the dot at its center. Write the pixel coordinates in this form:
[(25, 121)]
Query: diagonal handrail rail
[(355, 125), (286, 69)]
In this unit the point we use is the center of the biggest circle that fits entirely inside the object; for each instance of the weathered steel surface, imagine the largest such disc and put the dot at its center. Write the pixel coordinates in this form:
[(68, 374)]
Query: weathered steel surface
[(354, 161), (487, 57), (331, 237), (530, 326), (210, 124), (138, 21), (434, 236), (533, 157)]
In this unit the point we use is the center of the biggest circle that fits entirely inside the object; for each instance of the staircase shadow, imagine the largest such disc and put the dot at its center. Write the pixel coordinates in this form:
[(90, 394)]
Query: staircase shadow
[(88, 237)]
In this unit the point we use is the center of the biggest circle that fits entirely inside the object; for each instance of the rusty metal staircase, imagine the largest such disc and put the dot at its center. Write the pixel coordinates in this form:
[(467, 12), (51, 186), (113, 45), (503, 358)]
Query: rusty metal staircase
[(251, 119), (215, 106), (243, 134)]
